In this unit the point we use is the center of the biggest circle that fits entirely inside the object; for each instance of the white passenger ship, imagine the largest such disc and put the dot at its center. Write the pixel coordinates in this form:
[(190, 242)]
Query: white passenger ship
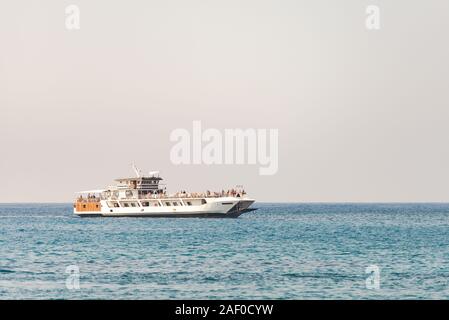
[(143, 196)]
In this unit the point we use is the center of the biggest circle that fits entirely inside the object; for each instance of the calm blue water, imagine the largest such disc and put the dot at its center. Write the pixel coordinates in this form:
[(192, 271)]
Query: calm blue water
[(281, 251)]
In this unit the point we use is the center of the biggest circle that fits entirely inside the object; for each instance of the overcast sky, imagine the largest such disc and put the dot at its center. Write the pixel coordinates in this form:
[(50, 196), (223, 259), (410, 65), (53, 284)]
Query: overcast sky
[(362, 115)]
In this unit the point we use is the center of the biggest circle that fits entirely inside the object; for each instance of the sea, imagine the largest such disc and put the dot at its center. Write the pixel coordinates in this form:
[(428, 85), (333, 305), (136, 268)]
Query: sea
[(280, 251)]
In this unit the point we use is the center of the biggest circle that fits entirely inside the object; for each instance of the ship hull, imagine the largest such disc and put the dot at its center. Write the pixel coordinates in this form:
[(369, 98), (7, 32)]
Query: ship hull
[(170, 215), (213, 208)]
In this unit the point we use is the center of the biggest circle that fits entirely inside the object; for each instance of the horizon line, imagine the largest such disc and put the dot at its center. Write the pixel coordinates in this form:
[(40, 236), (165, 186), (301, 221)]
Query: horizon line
[(276, 202)]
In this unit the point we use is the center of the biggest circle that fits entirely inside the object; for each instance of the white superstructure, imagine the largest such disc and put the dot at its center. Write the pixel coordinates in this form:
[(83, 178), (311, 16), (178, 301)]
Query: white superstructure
[(143, 196)]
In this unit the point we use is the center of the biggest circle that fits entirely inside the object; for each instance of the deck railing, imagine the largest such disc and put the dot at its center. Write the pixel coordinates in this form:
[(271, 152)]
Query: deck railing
[(193, 195)]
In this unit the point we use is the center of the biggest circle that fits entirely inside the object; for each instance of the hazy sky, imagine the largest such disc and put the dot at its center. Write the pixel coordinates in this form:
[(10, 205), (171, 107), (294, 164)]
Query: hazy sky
[(362, 115)]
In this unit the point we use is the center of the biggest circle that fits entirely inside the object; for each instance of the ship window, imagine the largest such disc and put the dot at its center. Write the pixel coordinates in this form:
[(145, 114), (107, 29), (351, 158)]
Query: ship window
[(116, 205), (175, 203), (126, 205), (168, 204), (145, 204), (203, 201), (189, 203), (84, 206)]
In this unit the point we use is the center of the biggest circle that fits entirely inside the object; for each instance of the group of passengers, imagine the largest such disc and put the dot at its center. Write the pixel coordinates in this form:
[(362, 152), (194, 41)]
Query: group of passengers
[(89, 198), (233, 193), (229, 193), (157, 194)]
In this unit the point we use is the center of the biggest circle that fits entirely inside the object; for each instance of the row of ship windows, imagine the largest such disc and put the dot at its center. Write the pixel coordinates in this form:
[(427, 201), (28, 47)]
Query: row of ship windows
[(154, 204)]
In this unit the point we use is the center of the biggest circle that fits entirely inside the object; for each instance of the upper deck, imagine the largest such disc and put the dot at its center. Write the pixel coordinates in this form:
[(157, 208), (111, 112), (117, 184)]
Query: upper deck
[(145, 188)]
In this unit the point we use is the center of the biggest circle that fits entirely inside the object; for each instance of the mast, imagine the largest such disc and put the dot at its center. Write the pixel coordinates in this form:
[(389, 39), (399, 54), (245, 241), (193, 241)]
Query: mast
[(136, 170)]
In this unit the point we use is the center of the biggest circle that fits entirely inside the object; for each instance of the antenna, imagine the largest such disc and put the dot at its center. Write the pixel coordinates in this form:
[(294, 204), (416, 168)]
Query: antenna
[(153, 173), (136, 170)]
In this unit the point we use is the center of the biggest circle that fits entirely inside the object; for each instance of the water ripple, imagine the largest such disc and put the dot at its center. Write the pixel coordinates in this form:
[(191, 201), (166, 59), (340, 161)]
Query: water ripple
[(281, 251)]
